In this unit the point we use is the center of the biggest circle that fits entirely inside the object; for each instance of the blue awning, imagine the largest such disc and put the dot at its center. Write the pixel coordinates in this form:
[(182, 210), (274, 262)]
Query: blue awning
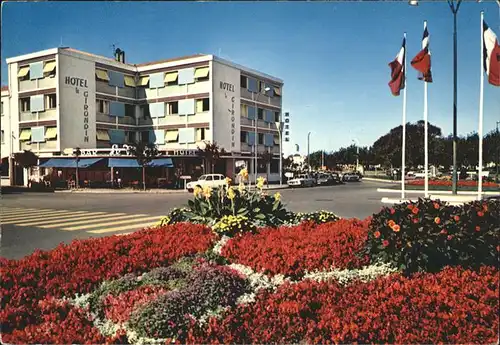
[(69, 162), (123, 163), (162, 162), (132, 163)]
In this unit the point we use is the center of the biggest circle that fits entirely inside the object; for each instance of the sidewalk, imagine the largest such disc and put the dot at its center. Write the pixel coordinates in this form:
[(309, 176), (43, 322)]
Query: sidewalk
[(380, 180), (149, 191)]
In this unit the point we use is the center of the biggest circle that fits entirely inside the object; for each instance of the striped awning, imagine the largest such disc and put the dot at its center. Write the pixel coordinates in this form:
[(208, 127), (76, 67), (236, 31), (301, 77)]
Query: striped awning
[(69, 162)]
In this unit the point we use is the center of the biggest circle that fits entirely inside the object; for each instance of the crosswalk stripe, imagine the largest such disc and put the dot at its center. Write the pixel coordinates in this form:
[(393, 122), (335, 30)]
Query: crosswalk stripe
[(7, 210), (127, 227), (41, 216), (139, 218), (23, 212), (102, 218), (75, 216)]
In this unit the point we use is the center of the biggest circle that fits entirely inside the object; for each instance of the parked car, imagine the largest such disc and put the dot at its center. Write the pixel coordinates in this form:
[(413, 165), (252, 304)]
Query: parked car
[(336, 178), (351, 177), (324, 180), (211, 180), (302, 180)]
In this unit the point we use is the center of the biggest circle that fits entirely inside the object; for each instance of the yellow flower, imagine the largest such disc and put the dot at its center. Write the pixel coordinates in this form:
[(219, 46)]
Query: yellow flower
[(260, 182), (277, 196), (228, 181), (230, 194), (243, 173), (207, 192), (197, 191)]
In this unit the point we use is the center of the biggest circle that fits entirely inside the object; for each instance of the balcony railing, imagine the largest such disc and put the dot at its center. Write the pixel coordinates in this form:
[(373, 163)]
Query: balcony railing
[(45, 83), (48, 145), (49, 114)]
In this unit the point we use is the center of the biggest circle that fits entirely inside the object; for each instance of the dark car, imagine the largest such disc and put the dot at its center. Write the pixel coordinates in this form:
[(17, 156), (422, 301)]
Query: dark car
[(324, 180), (336, 178), (351, 177)]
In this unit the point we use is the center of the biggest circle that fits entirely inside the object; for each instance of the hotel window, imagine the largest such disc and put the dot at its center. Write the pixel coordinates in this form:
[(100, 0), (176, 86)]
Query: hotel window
[(130, 110), (253, 85), (261, 138), (243, 81), (260, 114), (49, 69), (2, 139), (101, 75), (200, 134), (24, 104), (50, 101), (23, 73), (244, 110), (276, 140), (276, 116), (145, 111), (145, 137), (144, 81), (243, 137), (172, 136), (202, 105), (131, 137), (201, 74), (277, 91), (171, 78), (51, 133), (2, 109), (129, 81), (173, 108), (275, 167), (102, 106)]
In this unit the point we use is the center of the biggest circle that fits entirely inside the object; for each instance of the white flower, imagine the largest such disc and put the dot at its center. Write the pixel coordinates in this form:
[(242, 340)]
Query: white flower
[(344, 277), (219, 245), (259, 280)]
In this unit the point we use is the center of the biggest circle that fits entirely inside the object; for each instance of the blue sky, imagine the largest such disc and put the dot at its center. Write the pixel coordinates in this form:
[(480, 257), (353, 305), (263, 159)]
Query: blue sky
[(333, 56)]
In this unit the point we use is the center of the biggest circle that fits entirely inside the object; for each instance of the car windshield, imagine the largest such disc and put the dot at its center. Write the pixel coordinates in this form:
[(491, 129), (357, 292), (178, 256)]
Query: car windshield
[(202, 178)]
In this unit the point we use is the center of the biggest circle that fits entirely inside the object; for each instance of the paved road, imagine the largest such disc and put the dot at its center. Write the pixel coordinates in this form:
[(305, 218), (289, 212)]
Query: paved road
[(43, 220)]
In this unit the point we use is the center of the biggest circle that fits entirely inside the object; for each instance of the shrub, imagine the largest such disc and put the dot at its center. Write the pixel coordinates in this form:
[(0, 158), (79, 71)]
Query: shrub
[(176, 215), (60, 324), (118, 308), (210, 206), (318, 217), (82, 265), (453, 306), (231, 225), (307, 247), (428, 235), (171, 315)]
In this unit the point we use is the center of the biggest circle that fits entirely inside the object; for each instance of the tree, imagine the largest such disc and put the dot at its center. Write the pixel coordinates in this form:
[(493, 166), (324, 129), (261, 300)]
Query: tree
[(25, 159), (267, 157), (144, 154), (211, 153)]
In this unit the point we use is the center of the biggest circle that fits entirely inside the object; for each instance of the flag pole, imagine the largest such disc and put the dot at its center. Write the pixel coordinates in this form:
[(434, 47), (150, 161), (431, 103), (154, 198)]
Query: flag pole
[(426, 137), (480, 130), (403, 149)]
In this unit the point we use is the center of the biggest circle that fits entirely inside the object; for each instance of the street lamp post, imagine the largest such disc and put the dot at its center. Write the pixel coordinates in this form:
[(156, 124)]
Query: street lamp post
[(279, 126), (356, 142), (308, 156), (454, 6), (498, 153), (78, 152)]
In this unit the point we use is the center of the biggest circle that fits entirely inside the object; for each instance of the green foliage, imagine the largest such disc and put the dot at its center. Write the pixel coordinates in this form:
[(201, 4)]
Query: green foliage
[(428, 235), (115, 287), (231, 225), (210, 206), (317, 217), (26, 159), (176, 215)]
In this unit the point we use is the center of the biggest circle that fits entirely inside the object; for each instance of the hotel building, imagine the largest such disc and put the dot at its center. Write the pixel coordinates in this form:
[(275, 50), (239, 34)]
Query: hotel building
[(61, 99)]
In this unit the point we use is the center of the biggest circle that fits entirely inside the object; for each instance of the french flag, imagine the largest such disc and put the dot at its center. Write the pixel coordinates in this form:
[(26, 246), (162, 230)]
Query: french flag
[(422, 61), (491, 53), (397, 66)]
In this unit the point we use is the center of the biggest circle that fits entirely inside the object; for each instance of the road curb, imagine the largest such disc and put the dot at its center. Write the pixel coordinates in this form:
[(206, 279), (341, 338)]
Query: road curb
[(381, 180), (151, 191), (447, 192)]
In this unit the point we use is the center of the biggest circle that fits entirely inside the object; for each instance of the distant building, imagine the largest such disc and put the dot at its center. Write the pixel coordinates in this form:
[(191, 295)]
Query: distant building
[(60, 99)]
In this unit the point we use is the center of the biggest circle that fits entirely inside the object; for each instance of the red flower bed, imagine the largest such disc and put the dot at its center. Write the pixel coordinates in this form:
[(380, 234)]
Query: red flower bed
[(80, 266), (461, 183), (454, 306), (291, 251), (60, 324), (118, 308)]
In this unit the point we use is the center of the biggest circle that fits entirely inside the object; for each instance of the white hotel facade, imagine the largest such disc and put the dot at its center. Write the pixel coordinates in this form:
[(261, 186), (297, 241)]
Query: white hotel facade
[(60, 99)]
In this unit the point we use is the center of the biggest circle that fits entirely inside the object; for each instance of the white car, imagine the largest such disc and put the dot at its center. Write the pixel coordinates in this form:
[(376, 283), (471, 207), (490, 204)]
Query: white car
[(303, 180), (211, 180)]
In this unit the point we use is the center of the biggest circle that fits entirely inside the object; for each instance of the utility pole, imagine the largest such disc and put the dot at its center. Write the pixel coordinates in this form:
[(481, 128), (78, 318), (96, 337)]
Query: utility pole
[(308, 159)]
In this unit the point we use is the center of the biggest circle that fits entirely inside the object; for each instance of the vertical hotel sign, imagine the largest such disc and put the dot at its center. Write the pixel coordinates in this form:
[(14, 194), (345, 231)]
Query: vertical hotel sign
[(82, 89), (77, 102), (229, 96)]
